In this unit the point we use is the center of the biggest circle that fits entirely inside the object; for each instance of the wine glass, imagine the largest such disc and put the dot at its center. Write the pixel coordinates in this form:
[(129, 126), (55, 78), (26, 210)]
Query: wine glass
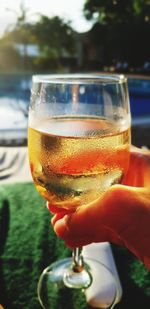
[(78, 140)]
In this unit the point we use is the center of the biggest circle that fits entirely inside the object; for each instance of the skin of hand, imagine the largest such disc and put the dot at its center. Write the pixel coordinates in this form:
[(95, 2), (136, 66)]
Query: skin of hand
[(121, 215)]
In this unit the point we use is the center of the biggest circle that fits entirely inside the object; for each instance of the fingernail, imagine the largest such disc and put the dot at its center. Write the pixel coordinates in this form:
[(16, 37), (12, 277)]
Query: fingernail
[(61, 227), (56, 217)]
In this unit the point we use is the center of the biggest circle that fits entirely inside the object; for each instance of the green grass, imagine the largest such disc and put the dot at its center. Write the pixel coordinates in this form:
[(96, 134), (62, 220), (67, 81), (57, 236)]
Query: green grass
[(28, 244)]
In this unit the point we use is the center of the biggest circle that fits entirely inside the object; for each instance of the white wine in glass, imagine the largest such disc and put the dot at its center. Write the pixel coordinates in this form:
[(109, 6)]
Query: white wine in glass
[(78, 140), (74, 160)]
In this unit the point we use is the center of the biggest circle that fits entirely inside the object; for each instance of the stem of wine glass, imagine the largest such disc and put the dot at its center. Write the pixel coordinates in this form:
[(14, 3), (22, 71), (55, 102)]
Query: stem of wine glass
[(77, 260), (77, 275)]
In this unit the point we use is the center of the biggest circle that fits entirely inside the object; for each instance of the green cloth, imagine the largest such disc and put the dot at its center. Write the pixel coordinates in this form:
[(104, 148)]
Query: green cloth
[(28, 244)]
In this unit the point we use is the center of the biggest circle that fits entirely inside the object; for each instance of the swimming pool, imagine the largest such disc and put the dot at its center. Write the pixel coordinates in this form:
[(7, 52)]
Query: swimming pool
[(15, 97), (17, 88), (14, 101), (139, 91)]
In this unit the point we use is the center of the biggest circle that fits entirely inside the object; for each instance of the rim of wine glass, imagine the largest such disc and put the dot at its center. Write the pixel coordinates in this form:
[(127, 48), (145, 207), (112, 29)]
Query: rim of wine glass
[(80, 78)]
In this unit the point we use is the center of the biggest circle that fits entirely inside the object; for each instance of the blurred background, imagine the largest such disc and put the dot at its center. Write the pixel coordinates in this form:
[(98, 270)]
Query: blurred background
[(83, 35), (71, 36), (61, 36)]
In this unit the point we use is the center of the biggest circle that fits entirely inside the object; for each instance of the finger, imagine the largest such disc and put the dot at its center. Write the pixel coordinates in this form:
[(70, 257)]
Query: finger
[(57, 217), (115, 217), (73, 226), (138, 174), (86, 223), (74, 242), (75, 237), (54, 209)]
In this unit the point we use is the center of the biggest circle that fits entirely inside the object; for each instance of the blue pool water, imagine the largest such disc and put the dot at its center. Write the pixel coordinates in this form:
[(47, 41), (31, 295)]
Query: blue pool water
[(16, 87), (15, 92), (15, 97), (14, 101), (139, 91)]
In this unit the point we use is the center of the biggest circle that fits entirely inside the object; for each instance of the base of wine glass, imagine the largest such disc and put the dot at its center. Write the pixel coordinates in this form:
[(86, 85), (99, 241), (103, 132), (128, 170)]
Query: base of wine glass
[(60, 276)]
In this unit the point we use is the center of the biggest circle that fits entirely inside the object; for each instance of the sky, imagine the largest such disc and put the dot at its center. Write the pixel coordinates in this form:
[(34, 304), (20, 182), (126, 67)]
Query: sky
[(68, 9)]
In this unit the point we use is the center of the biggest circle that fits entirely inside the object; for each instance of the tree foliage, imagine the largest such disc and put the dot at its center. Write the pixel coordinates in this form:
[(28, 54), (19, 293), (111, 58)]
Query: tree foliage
[(121, 31), (127, 28), (117, 11), (9, 58), (55, 39), (21, 30), (54, 33)]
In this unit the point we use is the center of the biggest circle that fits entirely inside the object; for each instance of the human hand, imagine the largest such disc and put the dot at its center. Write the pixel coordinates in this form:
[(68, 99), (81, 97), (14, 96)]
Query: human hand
[(121, 215)]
